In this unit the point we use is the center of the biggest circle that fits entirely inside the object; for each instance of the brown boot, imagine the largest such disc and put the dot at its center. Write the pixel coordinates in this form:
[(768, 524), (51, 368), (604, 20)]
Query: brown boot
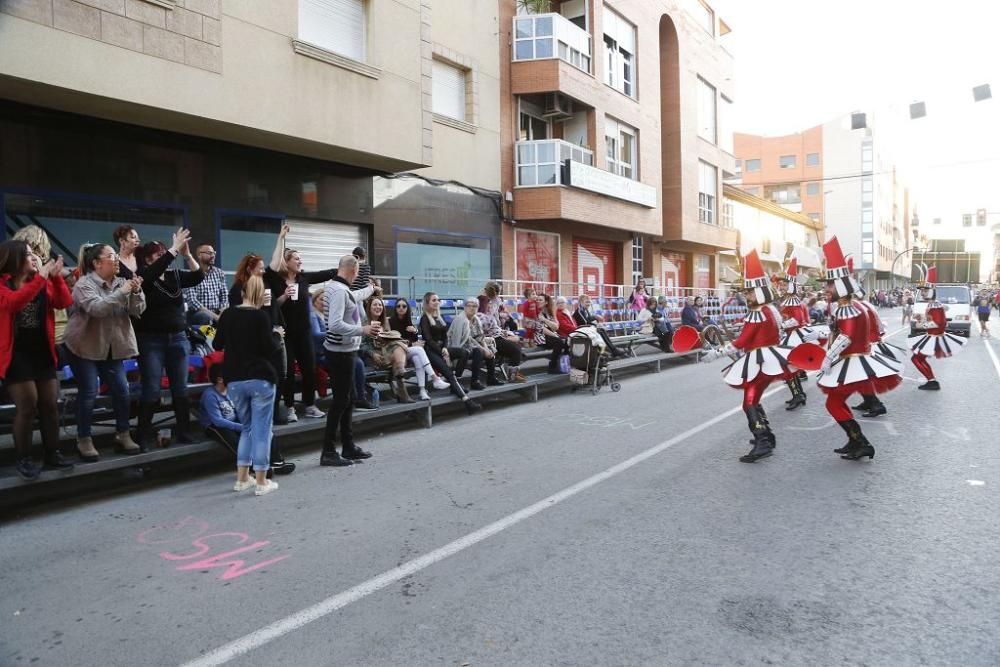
[(402, 395), (88, 454), (124, 443)]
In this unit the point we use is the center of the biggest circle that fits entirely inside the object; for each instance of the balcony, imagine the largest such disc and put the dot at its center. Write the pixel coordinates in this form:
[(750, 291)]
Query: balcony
[(546, 36), (557, 180)]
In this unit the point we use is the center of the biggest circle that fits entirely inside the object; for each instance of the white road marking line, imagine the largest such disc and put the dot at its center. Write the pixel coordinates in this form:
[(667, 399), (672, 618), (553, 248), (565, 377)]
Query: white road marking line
[(975, 482), (993, 356), (299, 619)]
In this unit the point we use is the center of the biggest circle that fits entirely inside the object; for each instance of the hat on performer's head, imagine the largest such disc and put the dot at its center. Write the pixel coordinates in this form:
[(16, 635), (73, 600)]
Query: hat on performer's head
[(788, 274), (755, 279), (928, 277), (838, 271)]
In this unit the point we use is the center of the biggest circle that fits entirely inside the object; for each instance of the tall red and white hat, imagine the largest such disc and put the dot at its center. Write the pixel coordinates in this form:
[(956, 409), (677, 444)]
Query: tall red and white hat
[(838, 270), (755, 279)]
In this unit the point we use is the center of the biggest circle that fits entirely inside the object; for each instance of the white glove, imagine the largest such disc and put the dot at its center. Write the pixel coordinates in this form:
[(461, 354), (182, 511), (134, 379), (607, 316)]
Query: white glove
[(810, 336), (825, 368), (790, 323)]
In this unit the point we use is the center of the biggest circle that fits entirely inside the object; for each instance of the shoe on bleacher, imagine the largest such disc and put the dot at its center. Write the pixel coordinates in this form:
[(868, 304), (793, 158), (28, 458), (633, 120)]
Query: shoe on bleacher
[(364, 405), (85, 447), (56, 461), (292, 417), (476, 385), (27, 469), (125, 444), (313, 411), (424, 396), (519, 377), (494, 381), (440, 383)]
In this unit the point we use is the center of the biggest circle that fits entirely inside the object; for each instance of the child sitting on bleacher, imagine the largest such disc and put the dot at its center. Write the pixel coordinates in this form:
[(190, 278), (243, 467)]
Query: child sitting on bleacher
[(529, 310)]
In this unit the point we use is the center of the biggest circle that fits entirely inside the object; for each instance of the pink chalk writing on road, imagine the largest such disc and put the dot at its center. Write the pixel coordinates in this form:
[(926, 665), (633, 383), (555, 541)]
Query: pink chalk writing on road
[(192, 531)]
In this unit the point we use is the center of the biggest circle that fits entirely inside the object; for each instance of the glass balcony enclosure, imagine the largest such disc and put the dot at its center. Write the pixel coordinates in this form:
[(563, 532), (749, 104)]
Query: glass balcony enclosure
[(544, 36), (539, 162)]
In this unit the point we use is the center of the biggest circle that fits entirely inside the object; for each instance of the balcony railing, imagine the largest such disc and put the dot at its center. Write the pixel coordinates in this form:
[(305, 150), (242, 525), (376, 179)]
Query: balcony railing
[(544, 36), (540, 162)]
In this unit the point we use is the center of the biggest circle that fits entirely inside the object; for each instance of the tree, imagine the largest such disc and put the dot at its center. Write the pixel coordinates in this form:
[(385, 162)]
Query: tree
[(535, 6)]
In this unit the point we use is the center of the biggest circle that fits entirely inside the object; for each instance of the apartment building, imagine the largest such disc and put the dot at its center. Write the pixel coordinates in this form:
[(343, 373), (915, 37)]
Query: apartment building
[(776, 232), (232, 116), (844, 177), (614, 141)]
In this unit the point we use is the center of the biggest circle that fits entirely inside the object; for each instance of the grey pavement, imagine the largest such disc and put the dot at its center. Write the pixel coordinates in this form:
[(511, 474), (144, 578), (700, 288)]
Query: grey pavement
[(689, 557)]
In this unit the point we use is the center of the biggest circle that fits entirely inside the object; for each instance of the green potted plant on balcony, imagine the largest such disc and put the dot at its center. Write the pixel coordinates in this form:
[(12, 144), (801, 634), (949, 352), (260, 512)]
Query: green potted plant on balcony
[(536, 6)]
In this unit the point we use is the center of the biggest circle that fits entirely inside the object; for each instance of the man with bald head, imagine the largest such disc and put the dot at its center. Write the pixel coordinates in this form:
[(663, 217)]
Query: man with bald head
[(343, 338)]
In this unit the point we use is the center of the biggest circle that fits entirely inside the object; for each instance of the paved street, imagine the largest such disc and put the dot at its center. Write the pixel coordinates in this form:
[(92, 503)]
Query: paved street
[(684, 557)]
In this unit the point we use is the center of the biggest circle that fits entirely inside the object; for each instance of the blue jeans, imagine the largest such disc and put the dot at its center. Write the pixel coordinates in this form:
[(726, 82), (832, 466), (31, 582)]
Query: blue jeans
[(86, 372), (254, 403), (159, 352)]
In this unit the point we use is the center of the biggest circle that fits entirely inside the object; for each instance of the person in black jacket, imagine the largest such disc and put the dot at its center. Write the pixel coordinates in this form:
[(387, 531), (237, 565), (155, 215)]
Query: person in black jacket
[(289, 286), (584, 316), (244, 333), (162, 332), (435, 332)]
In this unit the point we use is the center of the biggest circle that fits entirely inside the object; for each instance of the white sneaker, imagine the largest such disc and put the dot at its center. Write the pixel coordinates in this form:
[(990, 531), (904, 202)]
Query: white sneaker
[(292, 417), (440, 383), (243, 486), (313, 411), (424, 396), (263, 490)]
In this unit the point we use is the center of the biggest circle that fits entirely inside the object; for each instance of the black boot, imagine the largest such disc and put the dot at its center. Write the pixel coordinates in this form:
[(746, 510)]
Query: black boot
[(354, 453), (278, 463), (930, 384), (763, 438), (857, 444), (865, 404), (798, 395), (55, 460), (182, 414), (147, 439), (875, 407), (331, 457)]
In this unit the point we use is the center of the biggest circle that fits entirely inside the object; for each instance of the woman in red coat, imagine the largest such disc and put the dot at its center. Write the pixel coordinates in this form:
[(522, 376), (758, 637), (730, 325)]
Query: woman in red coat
[(30, 292)]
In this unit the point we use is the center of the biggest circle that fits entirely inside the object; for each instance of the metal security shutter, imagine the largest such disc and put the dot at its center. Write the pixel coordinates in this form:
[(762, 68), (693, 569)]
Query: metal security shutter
[(322, 244), (449, 90), (595, 265), (337, 25)]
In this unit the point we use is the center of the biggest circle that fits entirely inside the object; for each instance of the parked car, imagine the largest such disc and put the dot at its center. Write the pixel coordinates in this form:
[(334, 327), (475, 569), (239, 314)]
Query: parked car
[(957, 300)]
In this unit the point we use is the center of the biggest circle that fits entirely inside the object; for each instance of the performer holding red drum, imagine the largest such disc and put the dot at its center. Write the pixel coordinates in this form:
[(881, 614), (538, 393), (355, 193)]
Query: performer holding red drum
[(850, 366), (870, 404), (764, 359), (937, 342), (794, 325)]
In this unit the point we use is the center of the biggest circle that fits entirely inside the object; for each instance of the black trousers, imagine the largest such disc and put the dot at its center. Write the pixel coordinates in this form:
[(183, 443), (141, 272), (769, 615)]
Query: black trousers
[(340, 365), (229, 438), (299, 347), (444, 368), (509, 351), (478, 357), (557, 345)]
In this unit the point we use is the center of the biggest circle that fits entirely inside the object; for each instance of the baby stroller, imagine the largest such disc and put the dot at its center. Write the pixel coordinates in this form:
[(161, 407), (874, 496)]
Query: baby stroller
[(588, 361)]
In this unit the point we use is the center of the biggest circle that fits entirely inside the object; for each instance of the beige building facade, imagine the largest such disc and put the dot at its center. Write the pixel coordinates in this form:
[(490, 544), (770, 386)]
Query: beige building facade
[(231, 116)]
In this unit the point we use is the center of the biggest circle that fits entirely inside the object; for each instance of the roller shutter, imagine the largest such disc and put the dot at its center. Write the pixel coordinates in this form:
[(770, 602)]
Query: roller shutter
[(595, 266), (322, 244)]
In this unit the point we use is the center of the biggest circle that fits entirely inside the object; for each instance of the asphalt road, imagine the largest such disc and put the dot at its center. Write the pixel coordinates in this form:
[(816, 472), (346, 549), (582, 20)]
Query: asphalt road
[(628, 534)]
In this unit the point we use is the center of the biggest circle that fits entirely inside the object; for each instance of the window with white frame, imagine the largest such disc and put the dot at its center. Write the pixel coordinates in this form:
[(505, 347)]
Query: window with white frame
[(966, 219), (708, 188), (728, 213), (786, 161), (726, 124), (812, 159), (704, 15), (335, 25), (448, 91), (622, 144), (619, 47), (753, 164), (636, 258), (707, 129), (812, 189)]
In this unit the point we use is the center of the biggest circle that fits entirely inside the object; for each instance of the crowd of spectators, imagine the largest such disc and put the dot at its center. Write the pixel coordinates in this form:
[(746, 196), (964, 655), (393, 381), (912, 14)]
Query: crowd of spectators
[(270, 338)]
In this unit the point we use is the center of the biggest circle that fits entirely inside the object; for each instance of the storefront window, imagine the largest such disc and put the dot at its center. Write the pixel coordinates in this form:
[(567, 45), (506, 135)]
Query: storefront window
[(244, 233), (452, 266)]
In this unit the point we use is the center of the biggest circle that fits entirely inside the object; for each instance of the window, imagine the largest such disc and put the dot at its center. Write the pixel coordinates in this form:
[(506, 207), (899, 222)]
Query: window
[(726, 124), (812, 159), (704, 15), (619, 46), (765, 245), (786, 161), (753, 165), (967, 220), (936, 221), (706, 111), (533, 38), (812, 189), (448, 90), (728, 213), (866, 157), (866, 215), (636, 258), (622, 145), (753, 191), (708, 184), (783, 194), (739, 167), (866, 190), (336, 25)]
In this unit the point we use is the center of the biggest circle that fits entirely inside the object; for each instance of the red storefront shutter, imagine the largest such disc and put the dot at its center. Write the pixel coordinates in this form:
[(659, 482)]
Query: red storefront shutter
[(595, 266)]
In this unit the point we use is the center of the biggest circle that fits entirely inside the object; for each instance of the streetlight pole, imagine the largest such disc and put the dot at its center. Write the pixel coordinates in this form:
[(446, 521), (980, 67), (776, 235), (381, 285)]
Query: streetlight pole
[(892, 269)]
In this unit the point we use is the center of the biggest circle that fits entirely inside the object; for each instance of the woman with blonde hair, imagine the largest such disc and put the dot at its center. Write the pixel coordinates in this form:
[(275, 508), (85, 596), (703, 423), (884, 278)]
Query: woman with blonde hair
[(37, 240), (243, 332), (387, 351)]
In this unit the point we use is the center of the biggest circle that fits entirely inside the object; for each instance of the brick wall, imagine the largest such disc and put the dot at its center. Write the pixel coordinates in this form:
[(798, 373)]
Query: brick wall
[(182, 31)]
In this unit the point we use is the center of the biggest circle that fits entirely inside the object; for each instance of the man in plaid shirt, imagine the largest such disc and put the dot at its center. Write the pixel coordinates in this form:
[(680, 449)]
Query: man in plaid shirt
[(206, 300)]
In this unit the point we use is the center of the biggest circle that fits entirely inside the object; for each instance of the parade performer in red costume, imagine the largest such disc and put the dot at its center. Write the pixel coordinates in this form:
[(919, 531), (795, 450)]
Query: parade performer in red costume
[(851, 365), (871, 405), (794, 326), (937, 342), (763, 361)]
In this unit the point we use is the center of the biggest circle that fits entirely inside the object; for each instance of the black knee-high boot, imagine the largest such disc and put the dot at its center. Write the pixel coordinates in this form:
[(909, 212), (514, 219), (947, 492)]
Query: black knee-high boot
[(875, 407), (798, 394), (763, 438), (147, 438)]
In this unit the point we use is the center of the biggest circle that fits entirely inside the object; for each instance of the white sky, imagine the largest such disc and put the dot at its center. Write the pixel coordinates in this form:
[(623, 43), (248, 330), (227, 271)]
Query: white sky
[(800, 63)]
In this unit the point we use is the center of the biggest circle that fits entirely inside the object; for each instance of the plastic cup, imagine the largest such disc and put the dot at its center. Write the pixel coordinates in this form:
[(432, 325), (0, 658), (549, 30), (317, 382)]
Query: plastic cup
[(163, 437), (295, 292)]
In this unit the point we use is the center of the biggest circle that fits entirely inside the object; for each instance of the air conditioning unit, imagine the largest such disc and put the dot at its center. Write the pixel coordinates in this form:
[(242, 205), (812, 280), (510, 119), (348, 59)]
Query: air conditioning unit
[(557, 106)]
